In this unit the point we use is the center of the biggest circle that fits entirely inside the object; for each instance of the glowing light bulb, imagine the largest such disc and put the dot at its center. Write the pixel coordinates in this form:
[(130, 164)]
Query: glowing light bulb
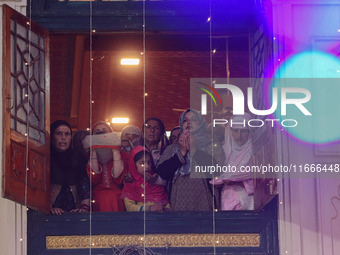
[(129, 61), (120, 120)]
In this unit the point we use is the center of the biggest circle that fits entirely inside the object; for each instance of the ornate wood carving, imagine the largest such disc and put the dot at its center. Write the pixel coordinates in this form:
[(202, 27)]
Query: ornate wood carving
[(159, 240), (26, 111)]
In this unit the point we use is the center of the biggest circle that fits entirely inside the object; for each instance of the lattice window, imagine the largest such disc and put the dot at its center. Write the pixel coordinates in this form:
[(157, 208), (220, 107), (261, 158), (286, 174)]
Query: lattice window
[(27, 82)]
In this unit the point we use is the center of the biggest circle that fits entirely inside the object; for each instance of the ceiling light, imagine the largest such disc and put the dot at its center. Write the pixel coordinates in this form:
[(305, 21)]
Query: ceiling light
[(129, 61), (120, 120)]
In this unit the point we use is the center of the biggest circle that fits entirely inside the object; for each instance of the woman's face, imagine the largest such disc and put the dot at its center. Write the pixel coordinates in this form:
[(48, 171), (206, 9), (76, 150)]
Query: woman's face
[(190, 121), (101, 129), (174, 136), (240, 135), (152, 131), (132, 137), (61, 138)]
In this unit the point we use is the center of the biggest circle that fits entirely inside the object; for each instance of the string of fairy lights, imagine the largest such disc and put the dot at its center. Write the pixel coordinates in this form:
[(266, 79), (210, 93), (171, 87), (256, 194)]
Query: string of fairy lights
[(144, 106), (90, 106), (28, 63), (211, 52)]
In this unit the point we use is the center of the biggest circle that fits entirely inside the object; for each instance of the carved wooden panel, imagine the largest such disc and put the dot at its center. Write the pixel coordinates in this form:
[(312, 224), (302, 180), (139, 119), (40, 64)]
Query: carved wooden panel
[(26, 111)]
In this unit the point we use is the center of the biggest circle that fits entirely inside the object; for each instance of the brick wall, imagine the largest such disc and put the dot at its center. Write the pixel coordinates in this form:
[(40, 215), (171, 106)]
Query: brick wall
[(118, 90)]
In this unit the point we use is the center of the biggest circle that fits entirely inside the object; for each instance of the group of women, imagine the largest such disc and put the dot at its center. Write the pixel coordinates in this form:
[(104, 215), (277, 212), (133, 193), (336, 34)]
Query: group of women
[(142, 171)]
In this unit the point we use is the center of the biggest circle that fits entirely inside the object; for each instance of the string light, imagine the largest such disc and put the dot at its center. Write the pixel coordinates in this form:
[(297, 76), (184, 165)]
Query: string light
[(92, 102), (146, 94), (93, 31), (214, 51), (209, 19)]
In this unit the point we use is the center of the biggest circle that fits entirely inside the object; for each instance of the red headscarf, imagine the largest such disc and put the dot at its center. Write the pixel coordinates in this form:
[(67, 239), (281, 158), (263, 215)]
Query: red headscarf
[(133, 191)]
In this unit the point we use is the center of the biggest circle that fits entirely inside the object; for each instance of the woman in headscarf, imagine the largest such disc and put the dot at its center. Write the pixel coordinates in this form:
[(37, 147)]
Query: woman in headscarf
[(105, 168), (70, 187), (154, 137), (193, 148), (238, 188), (132, 133)]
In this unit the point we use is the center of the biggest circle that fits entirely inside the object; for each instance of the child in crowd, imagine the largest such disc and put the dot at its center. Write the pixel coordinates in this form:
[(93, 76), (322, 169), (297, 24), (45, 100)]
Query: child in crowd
[(139, 191)]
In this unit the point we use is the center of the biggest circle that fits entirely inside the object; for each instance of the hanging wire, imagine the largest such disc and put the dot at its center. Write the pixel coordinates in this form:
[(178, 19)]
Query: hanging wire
[(28, 64), (90, 102), (144, 104), (212, 113)]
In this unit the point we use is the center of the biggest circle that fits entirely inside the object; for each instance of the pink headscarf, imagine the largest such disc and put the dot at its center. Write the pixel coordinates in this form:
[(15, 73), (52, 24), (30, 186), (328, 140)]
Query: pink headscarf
[(133, 191)]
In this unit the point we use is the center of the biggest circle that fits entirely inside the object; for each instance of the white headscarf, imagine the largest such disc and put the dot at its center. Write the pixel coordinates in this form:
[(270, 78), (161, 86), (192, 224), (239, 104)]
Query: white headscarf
[(237, 155), (132, 130)]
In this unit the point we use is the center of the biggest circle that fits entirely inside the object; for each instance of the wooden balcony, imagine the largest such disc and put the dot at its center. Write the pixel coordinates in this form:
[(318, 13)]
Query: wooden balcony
[(236, 232)]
